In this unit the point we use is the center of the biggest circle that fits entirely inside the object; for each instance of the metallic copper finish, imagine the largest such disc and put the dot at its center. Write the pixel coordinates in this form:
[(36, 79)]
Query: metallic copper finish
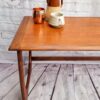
[(38, 15), (55, 3)]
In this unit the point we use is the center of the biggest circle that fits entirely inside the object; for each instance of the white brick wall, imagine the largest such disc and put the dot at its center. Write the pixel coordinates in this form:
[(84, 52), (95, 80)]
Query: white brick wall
[(12, 12)]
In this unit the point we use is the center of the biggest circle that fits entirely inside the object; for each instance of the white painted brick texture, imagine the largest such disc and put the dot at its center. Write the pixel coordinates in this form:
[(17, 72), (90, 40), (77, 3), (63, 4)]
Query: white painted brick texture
[(12, 12)]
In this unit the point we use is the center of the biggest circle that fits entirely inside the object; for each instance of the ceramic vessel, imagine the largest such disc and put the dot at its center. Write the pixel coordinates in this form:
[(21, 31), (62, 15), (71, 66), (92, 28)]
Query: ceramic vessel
[(53, 6), (56, 19), (51, 10)]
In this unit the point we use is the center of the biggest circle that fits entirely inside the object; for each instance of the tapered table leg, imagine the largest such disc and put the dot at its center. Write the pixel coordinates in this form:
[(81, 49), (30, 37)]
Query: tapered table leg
[(29, 70), (21, 76)]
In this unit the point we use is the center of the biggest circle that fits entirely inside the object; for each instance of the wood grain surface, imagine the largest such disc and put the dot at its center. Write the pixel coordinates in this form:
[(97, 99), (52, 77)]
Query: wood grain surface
[(77, 34)]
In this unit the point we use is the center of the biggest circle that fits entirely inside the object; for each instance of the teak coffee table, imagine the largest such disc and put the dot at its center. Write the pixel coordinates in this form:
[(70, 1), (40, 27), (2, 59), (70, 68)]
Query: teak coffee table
[(78, 34)]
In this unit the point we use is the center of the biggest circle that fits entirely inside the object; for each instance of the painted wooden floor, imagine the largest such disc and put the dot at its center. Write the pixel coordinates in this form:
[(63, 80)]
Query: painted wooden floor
[(52, 82)]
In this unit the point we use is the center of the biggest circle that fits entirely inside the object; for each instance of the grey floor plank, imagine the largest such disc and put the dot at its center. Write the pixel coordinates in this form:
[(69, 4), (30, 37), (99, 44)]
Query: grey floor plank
[(94, 72), (74, 82), (43, 89), (8, 84), (7, 72), (65, 86), (84, 89), (36, 75), (4, 66), (15, 92)]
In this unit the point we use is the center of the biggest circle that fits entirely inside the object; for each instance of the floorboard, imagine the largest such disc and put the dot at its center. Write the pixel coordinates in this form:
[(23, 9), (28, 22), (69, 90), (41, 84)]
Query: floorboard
[(4, 66), (7, 85), (52, 82), (8, 72), (64, 87), (36, 75), (84, 89), (94, 72), (15, 92), (43, 89)]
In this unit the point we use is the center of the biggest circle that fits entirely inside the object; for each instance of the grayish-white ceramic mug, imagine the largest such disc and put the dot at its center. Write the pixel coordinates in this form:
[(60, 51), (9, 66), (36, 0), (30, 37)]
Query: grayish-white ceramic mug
[(57, 19)]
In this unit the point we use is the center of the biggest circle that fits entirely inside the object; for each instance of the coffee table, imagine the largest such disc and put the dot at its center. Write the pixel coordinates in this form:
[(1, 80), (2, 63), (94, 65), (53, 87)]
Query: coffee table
[(78, 34)]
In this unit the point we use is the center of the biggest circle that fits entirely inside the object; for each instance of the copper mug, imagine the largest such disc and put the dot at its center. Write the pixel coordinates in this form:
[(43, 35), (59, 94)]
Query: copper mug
[(38, 15)]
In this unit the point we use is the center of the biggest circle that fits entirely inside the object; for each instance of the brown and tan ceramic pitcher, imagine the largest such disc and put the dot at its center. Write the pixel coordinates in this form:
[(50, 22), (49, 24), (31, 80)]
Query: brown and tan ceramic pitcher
[(53, 6)]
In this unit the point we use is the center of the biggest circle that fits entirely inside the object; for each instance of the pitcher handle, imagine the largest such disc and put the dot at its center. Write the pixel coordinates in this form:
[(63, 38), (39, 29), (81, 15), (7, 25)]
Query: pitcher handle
[(48, 1), (61, 2)]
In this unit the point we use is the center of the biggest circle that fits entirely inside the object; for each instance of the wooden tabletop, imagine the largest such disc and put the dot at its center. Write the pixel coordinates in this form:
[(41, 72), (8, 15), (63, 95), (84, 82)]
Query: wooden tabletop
[(78, 33)]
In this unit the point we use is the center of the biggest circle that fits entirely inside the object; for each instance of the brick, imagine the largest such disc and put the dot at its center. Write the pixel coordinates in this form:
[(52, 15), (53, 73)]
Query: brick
[(12, 12)]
